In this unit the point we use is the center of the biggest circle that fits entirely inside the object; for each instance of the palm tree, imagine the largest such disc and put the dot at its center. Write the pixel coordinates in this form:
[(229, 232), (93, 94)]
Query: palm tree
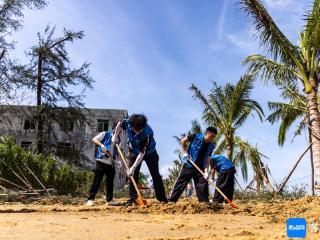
[(294, 109), (228, 107), (289, 62), (174, 172)]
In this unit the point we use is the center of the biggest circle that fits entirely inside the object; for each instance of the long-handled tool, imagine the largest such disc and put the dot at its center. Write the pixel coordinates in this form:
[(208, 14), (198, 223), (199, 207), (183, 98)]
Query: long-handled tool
[(140, 201), (214, 185)]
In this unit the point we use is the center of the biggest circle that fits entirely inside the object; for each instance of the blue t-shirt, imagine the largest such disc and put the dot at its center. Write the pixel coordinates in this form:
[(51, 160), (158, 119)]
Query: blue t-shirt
[(221, 163)]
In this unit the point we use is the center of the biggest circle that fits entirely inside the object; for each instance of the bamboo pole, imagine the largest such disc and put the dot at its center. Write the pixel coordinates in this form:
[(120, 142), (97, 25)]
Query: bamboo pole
[(241, 189), (29, 186), (44, 188), (275, 183), (16, 185), (293, 168), (249, 185), (23, 176)]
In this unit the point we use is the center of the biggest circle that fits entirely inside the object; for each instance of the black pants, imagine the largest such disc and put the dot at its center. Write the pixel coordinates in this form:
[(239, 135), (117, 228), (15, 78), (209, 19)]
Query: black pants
[(101, 170), (225, 183), (152, 161), (184, 178)]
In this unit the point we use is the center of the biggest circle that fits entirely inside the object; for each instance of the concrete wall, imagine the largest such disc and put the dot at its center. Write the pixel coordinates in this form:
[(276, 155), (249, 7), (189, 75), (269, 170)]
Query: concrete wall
[(12, 120)]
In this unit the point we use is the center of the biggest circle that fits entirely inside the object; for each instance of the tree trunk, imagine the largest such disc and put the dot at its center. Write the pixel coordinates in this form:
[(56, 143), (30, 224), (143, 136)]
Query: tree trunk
[(39, 107), (311, 161), (230, 147), (314, 114)]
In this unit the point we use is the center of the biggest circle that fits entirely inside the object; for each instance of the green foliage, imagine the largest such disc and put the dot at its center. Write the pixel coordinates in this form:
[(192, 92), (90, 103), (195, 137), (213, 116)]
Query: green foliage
[(294, 108), (50, 75), (174, 172), (289, 63), (289, 193), (64, 178), (228, 107), (11, 17)]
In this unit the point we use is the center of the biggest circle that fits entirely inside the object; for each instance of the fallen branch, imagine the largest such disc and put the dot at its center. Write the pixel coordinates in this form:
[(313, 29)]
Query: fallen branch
[(292, 170)]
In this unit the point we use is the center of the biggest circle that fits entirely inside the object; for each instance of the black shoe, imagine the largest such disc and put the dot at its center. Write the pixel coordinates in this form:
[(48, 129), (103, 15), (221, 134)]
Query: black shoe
[(165, 201), (130, 202)]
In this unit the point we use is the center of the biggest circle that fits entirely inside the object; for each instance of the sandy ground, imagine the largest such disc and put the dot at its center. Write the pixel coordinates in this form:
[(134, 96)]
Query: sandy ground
[(185, 220)]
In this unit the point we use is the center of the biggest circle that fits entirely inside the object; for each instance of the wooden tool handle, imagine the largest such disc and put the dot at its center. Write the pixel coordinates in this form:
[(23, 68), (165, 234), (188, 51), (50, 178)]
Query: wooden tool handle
[(214, 185), (128, 169)]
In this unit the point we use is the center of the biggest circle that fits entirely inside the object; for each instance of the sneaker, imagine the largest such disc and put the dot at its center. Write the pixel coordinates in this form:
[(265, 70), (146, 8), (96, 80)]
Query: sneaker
[(113, 203), (90, 203), (130, 202)]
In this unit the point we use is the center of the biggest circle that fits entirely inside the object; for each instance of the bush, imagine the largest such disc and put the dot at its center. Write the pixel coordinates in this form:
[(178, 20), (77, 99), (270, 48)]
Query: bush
[(63, 177), (289, 193)]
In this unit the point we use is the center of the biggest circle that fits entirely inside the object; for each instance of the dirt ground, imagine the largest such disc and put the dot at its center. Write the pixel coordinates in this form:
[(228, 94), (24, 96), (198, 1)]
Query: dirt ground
[(55, 219)]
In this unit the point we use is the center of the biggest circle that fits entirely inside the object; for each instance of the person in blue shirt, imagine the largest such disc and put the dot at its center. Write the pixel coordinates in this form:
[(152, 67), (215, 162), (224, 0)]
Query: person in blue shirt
[(199, 150), (142, 146), (105, 166), (225, 181)]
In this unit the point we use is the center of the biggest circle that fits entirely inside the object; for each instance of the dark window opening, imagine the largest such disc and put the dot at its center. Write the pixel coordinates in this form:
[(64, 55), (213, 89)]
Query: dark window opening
[(103, 125), (67, 126), (26, 145), (63, 148), (29, 124)]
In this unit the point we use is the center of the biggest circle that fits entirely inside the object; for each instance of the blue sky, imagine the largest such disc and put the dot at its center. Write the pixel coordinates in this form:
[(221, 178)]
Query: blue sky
[(145, 55)]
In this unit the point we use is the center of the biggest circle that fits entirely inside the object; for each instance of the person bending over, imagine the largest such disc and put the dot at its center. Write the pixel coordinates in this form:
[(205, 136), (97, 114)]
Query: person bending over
[(199, 149), (225, 181), (105, 166), (142, 146)]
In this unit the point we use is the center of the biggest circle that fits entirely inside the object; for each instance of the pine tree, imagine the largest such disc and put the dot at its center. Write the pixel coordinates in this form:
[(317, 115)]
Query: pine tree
[(11, 15), (49, 74)]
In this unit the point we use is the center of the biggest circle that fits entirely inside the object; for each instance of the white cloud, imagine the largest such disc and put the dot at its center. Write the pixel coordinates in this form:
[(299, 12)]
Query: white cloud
[(243, 42), (279, 3)]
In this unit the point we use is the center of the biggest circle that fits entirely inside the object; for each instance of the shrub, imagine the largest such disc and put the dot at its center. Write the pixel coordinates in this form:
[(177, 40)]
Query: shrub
[(63, 177)]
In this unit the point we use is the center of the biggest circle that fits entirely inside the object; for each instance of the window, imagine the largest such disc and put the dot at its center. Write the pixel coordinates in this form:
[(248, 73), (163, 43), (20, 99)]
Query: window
[(103, 125), (26, 145), (63, 148), (29, 124), (67, 126)]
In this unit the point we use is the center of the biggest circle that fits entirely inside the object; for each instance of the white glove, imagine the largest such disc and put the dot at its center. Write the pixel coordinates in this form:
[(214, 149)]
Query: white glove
[(118, 164), (103, 148), (206, 175), (185, 155), (131, 171)]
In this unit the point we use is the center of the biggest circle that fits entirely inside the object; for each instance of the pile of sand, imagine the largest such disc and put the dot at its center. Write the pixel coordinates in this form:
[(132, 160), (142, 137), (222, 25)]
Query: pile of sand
[(276, 211)]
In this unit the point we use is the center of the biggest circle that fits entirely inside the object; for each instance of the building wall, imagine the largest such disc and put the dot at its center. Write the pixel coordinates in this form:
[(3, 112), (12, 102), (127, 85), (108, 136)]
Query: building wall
[(13, 119)]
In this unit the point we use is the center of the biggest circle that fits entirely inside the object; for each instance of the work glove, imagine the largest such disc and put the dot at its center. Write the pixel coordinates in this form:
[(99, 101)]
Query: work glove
[(185, 157), (103, 148), (131, 171), (118, 164), (206, 175)]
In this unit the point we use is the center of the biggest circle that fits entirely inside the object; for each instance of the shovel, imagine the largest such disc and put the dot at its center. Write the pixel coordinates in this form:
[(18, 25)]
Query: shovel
[(140, 201), (213, 184)]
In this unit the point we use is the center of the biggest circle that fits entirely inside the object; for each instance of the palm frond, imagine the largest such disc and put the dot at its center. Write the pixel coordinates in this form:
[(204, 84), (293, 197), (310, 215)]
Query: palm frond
[(269, 70), (269, 33)]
